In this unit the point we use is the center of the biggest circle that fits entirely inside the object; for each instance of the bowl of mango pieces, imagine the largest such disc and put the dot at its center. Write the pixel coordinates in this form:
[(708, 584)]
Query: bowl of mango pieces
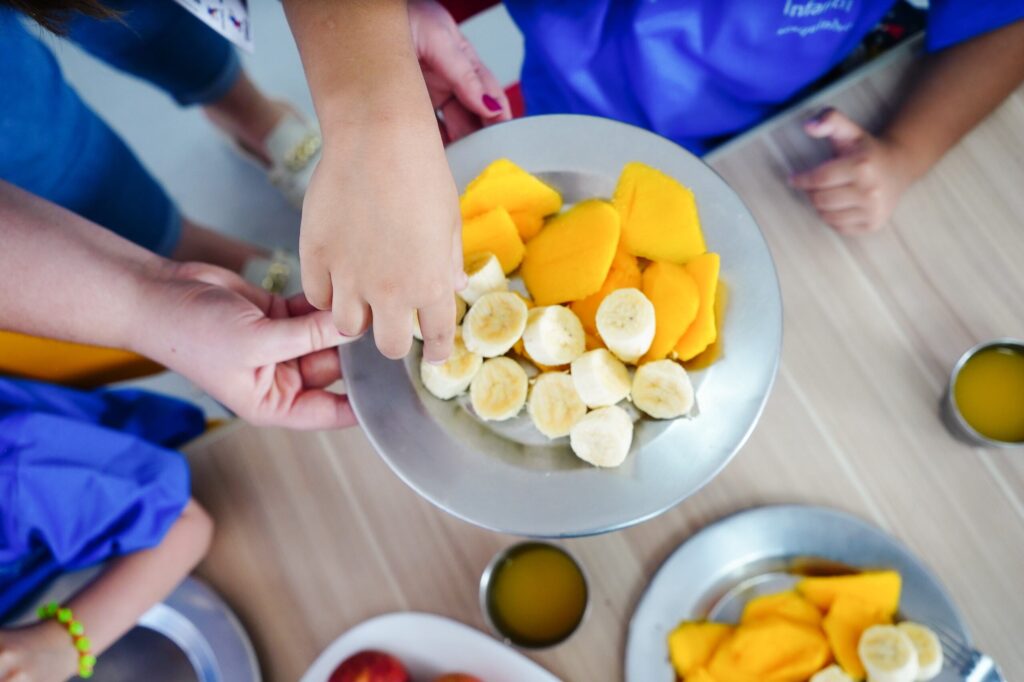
[(617, 340)]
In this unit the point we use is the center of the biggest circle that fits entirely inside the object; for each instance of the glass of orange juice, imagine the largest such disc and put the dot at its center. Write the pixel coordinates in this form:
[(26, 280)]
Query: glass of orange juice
[(985, 400)]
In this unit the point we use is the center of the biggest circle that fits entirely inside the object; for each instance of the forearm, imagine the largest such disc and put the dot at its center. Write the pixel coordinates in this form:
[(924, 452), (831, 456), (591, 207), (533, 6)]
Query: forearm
[(958, 88)]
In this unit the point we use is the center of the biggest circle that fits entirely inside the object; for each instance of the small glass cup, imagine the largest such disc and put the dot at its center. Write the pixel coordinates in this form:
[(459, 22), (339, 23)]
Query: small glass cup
[(951, 415)]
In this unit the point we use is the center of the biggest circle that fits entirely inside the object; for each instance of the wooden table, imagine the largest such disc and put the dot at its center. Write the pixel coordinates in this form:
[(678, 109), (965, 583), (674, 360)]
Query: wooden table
[(315, 534)]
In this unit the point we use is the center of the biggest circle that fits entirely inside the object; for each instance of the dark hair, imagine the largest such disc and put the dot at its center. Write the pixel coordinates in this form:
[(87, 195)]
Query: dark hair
[(54, 14)]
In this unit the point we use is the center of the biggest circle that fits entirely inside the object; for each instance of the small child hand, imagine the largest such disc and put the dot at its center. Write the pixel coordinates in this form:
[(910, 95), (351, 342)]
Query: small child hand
[(856, 191), (42, 652)]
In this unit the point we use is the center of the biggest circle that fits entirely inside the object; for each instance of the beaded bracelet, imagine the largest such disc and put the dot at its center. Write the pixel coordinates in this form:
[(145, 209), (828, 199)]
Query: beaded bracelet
[(86, 661)]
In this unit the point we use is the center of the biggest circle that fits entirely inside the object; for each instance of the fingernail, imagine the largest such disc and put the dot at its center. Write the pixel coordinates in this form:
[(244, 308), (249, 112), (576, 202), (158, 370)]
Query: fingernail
[(492, 104)]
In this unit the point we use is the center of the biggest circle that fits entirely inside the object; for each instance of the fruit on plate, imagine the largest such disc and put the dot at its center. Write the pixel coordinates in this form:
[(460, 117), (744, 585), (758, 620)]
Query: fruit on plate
[(880, 589), (691, 645), (453, 376), (600, 378), (788, 605), (662, 389), (493, 232), (484, 274), (770, 650), (676, 300), (659, 215), (460, 312), (570, 258), (494, 323), (457, 677), (928, 647), (525, 197), (370, 666), (603, 437), (888, 654), (846, 620), (553, 336), (623, 274), (626, 323), (703, 331), (498, 391), (554, 405), (832, 673)]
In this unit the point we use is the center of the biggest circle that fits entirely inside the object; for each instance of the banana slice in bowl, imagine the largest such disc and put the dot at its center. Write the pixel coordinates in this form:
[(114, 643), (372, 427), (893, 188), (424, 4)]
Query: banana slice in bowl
[(453, 376), (494, 323), (625, 321), (554, 405), (888, 654), (554, 335), (928, 647), (600, 378), (484, 275), (662, 389), (603, 437), (498, 391)]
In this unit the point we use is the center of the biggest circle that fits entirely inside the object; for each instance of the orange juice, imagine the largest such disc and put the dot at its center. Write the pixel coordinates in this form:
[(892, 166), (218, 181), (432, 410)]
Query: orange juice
[(537, 595), (989, 393)]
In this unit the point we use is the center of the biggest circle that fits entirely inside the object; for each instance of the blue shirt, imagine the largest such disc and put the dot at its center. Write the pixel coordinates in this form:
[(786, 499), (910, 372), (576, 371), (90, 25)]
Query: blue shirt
[(694, 70)]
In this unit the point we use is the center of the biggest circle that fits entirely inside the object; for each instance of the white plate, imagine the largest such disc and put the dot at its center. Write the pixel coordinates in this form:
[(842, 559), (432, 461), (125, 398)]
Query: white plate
[(429, 646)]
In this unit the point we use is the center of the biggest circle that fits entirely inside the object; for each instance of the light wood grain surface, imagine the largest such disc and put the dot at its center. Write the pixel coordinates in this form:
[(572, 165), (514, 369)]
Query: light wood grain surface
[(315, 534)]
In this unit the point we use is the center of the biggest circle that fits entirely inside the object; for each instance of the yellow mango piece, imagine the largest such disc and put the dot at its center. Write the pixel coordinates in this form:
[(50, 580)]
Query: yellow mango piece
[(700, 675), (880, 589), (493, 232), (716, 349), (676, 300), (505, 184), (659, 215), (844, 623), (789, 605), (624, 274), (528, 224), (593, 341), (691, 645), (572, 255), (703, 331), (770, 649)]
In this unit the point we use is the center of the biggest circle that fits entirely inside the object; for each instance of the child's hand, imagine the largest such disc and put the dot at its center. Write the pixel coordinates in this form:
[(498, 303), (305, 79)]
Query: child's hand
[(461, 87), (858, 190), (42, 652)]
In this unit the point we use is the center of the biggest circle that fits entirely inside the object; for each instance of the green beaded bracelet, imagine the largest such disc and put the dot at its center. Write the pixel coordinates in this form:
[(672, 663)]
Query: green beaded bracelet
[(82, 644)]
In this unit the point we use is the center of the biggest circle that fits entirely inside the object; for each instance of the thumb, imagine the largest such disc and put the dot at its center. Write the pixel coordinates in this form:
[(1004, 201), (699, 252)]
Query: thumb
[(834, 125), (288, 338)]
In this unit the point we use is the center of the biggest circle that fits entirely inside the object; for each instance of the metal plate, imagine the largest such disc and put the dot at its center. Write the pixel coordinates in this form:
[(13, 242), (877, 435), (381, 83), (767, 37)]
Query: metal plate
[(714, 573), (506, 478)]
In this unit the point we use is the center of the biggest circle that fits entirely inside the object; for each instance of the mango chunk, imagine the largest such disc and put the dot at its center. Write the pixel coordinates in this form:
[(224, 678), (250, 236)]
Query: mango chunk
[(493, 232), (624, 274), (572, 255), (880, 589), (703, 331), (700, 675), (659, 215), (528, 224), (716, 349), (676, 300), (505, 184), (789, 605), (691, 645), (770, 649), (845, 622)]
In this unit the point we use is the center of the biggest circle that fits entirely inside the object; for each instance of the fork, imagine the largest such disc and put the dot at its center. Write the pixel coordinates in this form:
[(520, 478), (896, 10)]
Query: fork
[(970, 664)]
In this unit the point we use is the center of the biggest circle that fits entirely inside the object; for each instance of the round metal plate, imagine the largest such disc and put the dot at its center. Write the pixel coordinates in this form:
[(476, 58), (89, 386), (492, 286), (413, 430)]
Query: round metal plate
[(500, 477), (714, 573)]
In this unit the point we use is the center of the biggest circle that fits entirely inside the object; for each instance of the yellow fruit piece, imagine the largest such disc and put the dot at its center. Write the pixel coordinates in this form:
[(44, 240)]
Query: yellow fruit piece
[(659, 215), (571, 257), (676, 300), (691, 645), (845, 622), (700, 675), (770, 650), (593, 341), (880, 589), (624, 274), (703, 331), (528, 224), (505, 184), (493, 232), (715, 350), (789, 605)]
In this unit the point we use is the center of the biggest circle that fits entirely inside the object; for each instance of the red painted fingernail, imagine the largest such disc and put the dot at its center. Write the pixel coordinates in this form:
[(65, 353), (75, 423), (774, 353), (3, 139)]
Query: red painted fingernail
[(492, 104)]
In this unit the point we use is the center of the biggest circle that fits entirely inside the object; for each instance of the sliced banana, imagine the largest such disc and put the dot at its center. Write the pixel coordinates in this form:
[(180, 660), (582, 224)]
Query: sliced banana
[(887, 654), (485, 275), (928, 647), (498, 391), (600, 378), (453, 377), (460, 312), (833, 673), (554, 335), (603, 437), (662, 389), (554, 405), (494, 323), (625, 321)]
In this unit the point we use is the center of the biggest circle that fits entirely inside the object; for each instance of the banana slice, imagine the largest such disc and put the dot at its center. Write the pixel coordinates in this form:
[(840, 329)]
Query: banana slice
[(460, 312), (929, 649), (554, 335), (888, 654), (485, 275), (603, 437), (625, 321), (494, 323), (600, 378), (554, 405), (833, 673), (662, 389), (498, 391), (454, 376)]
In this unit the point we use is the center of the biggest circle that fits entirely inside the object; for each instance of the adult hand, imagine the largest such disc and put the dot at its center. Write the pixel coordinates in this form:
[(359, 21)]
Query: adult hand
[(856, 191), (461, 88), (267, 358)]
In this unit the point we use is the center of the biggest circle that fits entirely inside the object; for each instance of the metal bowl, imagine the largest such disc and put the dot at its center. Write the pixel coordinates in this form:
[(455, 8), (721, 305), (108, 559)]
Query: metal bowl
[(955, 421), (506, 477)]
